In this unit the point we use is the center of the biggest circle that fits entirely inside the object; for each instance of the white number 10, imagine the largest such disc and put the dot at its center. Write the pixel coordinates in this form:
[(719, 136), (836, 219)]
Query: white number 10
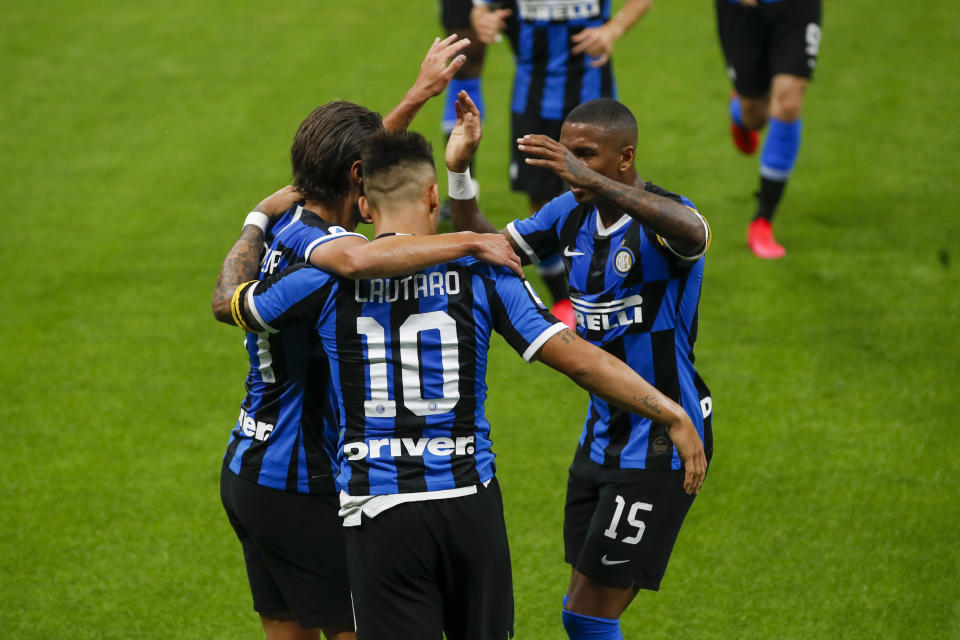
[(611, 531), (380, 405)]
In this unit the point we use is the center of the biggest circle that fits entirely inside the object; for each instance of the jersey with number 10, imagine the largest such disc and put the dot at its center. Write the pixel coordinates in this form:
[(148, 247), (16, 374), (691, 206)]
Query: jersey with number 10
[(637, 299), (408, 362)]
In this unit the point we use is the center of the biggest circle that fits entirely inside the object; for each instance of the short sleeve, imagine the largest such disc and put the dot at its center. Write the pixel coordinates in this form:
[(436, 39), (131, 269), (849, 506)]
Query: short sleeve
[(293, 296), (519, 315), (307, 232), (539, 235)]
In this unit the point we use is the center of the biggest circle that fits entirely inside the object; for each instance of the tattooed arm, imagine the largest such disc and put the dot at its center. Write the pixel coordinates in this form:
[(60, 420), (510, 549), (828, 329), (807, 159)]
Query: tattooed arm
[(613, 380), (677, 223), (243, 261)]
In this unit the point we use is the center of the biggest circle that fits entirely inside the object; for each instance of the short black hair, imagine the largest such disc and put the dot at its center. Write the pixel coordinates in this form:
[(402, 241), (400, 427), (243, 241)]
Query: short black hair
[(609, 115), (387, 149), (396, 164), (326, 145)]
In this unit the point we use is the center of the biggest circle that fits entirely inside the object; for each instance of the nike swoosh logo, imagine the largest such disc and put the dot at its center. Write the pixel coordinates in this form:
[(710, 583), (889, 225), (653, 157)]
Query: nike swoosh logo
[(569, 253), (607, 563)]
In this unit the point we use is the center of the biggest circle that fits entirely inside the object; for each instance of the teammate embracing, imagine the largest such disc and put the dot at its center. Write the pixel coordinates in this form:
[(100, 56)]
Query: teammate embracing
[(426, 541), (633, 252)]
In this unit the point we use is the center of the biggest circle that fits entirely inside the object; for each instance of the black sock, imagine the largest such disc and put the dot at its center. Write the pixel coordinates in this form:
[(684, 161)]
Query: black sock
[(768, 197)]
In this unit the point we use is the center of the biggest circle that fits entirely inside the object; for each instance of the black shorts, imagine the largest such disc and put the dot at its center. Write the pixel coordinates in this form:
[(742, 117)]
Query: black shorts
[(619, 525), (424, 568), (293, 545), (538, 183), (455, 14), (772, 38)]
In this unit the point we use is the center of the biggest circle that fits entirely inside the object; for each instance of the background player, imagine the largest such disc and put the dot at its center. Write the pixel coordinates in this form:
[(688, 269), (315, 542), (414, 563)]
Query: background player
[(563, 54), (277, 481), (634, 254), (426, 540), (771, 49)]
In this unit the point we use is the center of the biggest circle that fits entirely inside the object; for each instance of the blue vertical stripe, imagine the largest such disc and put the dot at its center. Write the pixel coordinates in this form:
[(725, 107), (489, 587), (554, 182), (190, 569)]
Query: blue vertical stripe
[(558, 36)]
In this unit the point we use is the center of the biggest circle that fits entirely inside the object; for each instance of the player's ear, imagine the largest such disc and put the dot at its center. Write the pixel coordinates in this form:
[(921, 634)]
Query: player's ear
[(434, 199), (365, 214), (356, 173), (627, 157)]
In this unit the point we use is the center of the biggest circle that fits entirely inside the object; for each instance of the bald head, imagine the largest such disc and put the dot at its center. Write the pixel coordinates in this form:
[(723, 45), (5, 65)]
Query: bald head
[(610, 117)]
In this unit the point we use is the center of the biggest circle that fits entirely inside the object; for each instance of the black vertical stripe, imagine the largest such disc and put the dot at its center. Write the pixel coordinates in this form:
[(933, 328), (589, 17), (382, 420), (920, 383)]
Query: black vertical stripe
[(666, 379), (576, 63), (411, 470), (619, 427), (353, 381), (315, 413), (606, 80), (538, 75), (460, 308), (596, 276)]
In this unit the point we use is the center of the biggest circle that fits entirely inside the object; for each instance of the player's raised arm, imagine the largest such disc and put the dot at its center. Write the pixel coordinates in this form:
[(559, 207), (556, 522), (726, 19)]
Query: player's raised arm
[(443, 59), (464, 140), (613, 380), (243, 260)]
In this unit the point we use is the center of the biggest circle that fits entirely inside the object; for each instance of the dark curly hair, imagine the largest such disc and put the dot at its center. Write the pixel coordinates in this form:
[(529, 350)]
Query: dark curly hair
[(327, 143)]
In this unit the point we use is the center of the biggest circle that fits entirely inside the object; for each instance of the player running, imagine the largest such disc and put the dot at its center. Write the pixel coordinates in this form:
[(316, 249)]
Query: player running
[(633, 252), (771, 49), (426, 540), (277, 481)]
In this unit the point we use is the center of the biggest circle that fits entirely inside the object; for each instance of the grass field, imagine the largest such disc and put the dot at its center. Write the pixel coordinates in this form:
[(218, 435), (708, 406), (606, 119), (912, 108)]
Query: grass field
[(135, 138)]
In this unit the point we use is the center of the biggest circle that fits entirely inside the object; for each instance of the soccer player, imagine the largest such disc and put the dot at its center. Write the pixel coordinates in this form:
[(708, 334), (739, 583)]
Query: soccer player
[(277, 481), (634, 256), (426, 542), (562, 50), (771, 49)]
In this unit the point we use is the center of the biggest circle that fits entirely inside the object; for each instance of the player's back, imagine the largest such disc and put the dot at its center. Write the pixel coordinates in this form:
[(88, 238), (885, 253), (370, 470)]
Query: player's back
[(285, 436)]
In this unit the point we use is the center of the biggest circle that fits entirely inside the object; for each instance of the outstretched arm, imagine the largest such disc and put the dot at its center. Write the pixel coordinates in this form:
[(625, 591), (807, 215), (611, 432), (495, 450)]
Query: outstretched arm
[(675, 222), (597, 42), (243, 260), (613, 380), (353, 258), (442, 61)]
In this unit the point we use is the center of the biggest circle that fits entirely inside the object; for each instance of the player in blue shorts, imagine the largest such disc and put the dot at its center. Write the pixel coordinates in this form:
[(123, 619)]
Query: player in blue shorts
[(426, 542), (771, 49), (633, 253), (278, 477), (562, 50)]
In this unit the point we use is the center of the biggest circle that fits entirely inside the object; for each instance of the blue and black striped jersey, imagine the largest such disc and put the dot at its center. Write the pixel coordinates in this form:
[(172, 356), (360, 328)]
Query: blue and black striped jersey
[(408, 359), (285, 436), (549, 79), (636, 299)]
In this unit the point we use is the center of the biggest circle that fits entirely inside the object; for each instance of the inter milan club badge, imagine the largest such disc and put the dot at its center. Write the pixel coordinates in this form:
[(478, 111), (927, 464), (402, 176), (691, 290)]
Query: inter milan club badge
[(623, 261)]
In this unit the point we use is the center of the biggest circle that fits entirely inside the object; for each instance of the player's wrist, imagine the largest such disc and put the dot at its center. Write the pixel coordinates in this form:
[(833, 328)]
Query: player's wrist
[(460, 185), (257, 219)]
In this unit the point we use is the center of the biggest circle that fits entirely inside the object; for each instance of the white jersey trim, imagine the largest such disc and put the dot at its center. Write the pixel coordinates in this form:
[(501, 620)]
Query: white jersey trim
[(343, 233), (603, 231), (706, 240), (512, 230), (534, 347), (353, 508), (252, 307)]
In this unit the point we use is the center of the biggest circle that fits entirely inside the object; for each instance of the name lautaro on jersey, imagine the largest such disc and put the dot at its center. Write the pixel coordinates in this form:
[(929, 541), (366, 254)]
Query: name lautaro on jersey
[(395, 447), (413, 287)]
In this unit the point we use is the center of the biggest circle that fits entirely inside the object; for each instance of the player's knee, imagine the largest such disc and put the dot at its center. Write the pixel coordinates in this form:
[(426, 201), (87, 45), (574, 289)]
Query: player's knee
[(753, 113), (786, 102)]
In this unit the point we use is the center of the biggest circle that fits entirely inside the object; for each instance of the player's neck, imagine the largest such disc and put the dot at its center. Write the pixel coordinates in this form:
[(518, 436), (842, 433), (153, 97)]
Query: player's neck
[(610, 212), (342, 213), (407, 218)]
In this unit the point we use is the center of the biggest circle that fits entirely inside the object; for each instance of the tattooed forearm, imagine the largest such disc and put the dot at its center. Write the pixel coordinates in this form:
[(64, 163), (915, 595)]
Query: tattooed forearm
[(661, 215), (239, 266), (650, 403)]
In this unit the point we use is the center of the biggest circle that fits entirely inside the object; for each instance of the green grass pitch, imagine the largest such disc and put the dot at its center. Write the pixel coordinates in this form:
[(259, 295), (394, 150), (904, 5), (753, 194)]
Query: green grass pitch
[(137, 135)]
